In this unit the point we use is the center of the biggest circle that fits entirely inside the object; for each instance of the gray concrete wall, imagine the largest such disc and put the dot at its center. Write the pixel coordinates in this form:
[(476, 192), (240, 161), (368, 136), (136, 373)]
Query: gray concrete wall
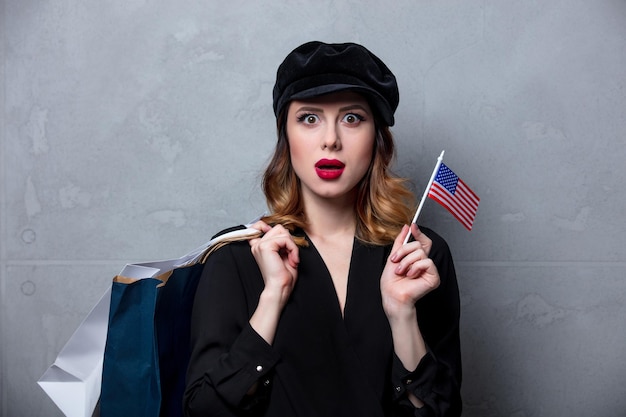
[(133, 130)]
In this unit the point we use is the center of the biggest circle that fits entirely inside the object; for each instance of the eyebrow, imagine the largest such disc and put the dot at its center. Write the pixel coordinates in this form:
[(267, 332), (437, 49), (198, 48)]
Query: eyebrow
[(342, 109), (353, 107)]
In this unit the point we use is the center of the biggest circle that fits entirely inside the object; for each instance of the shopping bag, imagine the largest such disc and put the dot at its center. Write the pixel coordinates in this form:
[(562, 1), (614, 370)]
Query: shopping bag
[(73, 380), (147, 347), (148, 341), (141, 326)]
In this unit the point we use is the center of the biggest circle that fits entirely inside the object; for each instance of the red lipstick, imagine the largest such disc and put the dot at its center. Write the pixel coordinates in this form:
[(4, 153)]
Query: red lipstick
[(329, 169)]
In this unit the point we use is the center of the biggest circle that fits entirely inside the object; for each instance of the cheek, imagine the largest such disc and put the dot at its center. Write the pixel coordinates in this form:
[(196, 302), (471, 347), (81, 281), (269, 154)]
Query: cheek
[(295, 159), (362, 159), (295, 149), (367, 157), (297, 155), (366, 152)]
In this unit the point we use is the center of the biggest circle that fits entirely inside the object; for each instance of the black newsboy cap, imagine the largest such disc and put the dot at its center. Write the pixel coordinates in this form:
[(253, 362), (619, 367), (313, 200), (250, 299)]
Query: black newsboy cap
[(316, 68)]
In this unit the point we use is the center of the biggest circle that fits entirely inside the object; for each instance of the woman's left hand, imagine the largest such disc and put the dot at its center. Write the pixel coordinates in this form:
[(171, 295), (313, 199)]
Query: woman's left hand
[(408, 274)]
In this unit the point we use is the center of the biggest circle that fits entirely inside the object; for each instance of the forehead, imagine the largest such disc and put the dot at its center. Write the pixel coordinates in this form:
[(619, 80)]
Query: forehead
[(341, 98)]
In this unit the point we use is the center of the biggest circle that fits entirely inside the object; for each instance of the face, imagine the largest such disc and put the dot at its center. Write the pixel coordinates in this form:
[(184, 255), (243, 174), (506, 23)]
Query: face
[(331, 140)]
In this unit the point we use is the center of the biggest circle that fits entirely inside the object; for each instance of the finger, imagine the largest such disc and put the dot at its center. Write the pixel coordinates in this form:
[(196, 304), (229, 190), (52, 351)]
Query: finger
[(278, 239), (407, 249), (293, 259), (420, 237), (293, 253), (421, 268), (422, 283), (277, 231), (397, 244), (261, 226), (406, 262)]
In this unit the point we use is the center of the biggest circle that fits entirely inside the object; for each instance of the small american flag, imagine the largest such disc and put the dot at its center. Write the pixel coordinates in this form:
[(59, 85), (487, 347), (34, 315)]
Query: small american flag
[(452, 193)]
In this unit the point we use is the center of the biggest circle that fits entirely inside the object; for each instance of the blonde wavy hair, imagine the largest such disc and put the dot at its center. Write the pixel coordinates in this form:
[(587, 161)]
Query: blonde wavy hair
[(383, 204)]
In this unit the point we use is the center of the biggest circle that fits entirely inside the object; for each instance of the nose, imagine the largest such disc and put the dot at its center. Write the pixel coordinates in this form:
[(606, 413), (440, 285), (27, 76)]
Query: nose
[(331, 139)]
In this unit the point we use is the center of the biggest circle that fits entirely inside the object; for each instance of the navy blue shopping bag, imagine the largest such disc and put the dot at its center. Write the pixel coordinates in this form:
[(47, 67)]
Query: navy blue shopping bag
[(147, 348), (148, 339)]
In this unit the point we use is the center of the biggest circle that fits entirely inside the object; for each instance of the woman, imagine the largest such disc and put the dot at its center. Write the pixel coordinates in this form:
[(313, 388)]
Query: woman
[(326, 312)]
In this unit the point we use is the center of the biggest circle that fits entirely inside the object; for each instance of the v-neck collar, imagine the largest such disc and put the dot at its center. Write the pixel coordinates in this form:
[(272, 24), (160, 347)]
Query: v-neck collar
[(328, 277)]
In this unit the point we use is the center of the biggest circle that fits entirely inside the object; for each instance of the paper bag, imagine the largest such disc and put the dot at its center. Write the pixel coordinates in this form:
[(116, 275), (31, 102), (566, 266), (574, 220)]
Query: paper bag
[(147, 309)]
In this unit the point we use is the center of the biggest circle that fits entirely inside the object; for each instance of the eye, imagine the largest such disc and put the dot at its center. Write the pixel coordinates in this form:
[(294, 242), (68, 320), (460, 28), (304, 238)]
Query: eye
[(308, 118), (353, 118)]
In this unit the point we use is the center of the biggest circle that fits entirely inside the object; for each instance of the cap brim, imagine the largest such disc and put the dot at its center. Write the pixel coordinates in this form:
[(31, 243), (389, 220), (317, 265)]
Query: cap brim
[(376, 99)]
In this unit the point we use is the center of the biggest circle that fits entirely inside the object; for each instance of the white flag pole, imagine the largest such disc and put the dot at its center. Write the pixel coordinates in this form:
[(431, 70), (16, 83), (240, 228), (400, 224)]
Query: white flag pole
[(430, 183)]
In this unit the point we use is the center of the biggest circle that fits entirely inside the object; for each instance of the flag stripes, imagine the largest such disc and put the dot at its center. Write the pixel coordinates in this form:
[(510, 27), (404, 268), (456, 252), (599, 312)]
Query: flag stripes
[(452, 193)]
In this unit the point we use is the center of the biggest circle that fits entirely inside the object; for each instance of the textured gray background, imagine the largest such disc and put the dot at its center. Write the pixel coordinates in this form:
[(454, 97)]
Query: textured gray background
[(132, 130)]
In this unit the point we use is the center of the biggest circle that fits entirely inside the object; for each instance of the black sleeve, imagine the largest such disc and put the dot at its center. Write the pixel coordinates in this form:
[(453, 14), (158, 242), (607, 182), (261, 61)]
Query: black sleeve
[(228, 357), (437, 379)]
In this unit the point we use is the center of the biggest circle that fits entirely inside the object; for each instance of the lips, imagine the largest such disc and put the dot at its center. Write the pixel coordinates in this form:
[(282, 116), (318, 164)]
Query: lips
[(329, 169)]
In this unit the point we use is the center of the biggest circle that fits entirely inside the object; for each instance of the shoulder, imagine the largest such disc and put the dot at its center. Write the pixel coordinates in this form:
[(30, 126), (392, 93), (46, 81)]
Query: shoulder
[(223, 232), (230, 266), (229, 247)]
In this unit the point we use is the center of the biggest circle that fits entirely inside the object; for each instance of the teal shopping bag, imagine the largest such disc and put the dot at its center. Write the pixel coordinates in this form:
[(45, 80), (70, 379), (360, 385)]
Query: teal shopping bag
[(147, 348), (148, 338)]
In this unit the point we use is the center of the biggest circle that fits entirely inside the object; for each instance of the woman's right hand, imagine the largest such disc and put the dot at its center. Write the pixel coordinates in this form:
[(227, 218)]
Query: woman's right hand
[(277, 255)]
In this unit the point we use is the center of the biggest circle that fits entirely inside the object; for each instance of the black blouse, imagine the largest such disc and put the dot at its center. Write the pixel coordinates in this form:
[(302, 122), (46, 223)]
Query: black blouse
[(320, 364)]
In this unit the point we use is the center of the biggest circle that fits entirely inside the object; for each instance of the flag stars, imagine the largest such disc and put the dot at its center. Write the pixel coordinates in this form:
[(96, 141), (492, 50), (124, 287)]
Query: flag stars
[(447, 178)]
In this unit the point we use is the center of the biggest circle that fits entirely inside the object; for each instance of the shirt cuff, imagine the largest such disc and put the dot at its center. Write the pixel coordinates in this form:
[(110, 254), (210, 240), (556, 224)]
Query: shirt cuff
[(419, 382), (250, 359)]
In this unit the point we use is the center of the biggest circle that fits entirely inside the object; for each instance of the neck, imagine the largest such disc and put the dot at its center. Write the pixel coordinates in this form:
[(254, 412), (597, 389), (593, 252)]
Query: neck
[(326, 217)]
